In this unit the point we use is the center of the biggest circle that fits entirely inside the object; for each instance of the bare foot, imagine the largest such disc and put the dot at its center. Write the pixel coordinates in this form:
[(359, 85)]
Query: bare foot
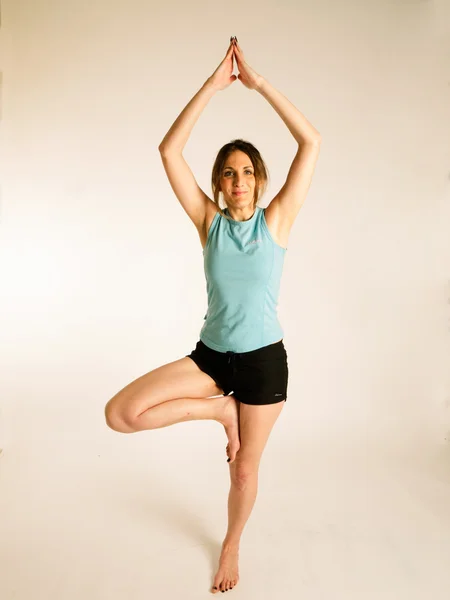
[(227, 575), (228, 415)]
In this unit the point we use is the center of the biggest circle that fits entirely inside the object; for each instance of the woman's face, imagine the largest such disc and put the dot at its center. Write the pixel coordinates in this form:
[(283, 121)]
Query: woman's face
[(237, 180)]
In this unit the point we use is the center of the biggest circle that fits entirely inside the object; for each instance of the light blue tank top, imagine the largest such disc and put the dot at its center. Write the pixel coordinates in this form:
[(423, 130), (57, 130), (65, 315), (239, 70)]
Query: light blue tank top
[(243, 266)]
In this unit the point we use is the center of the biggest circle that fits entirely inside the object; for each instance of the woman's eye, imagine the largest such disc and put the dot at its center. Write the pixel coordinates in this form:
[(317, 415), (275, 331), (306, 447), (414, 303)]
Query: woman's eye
[(229, 173)]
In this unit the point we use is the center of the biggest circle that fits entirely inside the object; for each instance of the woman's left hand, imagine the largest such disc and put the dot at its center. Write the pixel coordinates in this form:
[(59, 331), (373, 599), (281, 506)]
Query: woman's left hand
[(247, 75)]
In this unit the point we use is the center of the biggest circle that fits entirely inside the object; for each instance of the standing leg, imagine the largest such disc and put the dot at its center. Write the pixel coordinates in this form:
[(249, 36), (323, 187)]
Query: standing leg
[(255, 425)]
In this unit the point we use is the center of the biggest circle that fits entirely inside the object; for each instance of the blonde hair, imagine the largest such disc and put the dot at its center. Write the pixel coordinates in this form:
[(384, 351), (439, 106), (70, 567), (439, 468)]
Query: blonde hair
[(259, 167)]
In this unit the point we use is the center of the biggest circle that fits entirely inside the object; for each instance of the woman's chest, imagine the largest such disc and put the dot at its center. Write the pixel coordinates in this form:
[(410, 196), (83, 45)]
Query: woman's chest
[(278, 236)]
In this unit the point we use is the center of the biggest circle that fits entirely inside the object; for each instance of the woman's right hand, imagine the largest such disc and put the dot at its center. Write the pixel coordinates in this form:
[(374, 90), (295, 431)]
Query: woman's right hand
[(222, 76)]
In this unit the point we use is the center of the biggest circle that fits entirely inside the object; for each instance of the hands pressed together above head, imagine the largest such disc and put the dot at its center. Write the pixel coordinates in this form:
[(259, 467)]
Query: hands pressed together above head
[(223, 75)]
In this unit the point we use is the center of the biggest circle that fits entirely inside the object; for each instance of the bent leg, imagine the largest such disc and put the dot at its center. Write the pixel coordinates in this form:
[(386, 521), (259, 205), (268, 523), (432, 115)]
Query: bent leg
[(180, 379), (180, 410), (177, 392)]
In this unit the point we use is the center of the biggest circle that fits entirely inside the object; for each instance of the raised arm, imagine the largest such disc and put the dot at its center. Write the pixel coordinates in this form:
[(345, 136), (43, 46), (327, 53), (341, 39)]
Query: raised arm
[(191, 196), (286, 204)]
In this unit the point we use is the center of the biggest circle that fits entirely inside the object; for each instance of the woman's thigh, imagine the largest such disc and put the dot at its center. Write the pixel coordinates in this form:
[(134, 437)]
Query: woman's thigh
[(255, 424), (179, 379)]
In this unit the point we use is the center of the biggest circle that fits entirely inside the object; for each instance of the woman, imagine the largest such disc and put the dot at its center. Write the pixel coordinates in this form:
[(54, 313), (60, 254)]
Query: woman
[(241, 347)]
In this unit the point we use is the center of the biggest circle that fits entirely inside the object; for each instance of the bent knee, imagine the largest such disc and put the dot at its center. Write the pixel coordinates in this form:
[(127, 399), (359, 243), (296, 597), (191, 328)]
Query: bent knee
[(115, 420)]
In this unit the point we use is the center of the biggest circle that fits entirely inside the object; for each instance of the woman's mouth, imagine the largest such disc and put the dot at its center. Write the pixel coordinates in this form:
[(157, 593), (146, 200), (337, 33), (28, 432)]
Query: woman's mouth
[(239, 193)]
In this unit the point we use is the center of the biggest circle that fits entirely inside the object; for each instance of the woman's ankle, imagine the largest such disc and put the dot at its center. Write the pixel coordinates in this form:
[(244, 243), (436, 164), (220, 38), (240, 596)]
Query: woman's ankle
[(230, 544)]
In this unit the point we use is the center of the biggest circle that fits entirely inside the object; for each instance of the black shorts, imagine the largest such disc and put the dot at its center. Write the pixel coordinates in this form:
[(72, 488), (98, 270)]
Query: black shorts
[(256, 377)]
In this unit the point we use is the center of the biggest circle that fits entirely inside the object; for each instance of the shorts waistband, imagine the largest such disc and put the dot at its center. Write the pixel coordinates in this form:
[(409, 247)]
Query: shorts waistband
[(264, 350)]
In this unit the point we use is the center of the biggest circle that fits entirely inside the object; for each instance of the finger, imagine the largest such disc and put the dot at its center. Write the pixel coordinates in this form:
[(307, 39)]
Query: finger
[(238, 50), (228, 55)]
